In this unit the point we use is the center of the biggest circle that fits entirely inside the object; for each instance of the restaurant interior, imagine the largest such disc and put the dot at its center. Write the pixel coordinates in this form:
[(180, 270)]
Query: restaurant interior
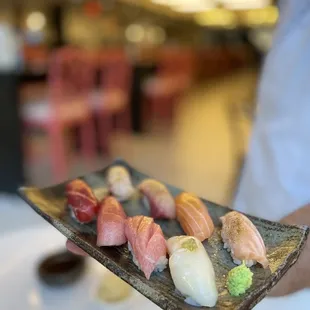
[(167, 85)]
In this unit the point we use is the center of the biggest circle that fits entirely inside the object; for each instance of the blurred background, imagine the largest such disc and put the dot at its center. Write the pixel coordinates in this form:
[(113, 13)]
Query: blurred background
[(168, 85)]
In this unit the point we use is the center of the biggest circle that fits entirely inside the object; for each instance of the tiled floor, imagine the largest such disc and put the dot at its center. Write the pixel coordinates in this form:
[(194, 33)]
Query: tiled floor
[(200, 153)]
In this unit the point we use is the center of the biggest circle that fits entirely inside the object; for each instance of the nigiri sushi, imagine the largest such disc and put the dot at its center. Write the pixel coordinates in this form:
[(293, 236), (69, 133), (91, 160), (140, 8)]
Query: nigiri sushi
[(160, 200), (193, 216), (243, 240), (111, 223), (119, 183), (82, 201), (192, 271), (147, 244)]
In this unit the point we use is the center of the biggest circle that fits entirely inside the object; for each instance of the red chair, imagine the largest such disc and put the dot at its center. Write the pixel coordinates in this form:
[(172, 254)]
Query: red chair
[(176, 71), (110, 102), (66, 104)]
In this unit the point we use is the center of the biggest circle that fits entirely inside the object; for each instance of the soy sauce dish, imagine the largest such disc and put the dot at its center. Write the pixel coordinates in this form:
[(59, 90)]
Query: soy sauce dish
[(60, 269)]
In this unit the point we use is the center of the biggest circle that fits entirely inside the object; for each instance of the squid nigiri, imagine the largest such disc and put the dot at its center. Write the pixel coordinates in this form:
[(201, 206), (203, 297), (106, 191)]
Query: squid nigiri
[(82, 201), (119, 183), (192, 271), (243, 240), (161, 201), (147, 244), (111, 223), (193, 216)]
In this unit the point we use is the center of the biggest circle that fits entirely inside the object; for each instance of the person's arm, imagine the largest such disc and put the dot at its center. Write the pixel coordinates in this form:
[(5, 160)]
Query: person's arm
[(298, 277)]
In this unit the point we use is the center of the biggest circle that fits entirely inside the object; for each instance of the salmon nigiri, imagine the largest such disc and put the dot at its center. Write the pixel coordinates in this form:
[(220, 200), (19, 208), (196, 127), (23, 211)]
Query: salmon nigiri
[(193, 216), (82, 201), (111, 223), (243, 240), (147, 244), (161, 201)]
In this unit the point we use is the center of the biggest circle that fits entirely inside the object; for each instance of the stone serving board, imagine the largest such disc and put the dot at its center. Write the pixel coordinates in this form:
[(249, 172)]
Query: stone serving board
[(284, 243)]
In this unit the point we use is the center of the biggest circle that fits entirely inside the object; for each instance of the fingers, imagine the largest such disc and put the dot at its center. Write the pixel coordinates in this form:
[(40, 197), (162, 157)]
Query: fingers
[(75, 249)]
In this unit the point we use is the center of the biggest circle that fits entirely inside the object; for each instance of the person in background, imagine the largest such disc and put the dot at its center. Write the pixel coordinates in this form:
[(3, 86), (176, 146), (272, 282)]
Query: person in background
[(275, 184)]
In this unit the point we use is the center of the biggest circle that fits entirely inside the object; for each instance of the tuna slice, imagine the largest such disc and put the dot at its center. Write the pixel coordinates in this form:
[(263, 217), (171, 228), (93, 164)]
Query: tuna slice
[(82, 201), (160, 200), (111, 223), (147, 244)]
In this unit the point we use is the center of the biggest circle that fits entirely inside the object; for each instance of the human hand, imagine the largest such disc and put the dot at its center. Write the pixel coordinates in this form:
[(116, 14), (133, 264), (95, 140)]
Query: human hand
[(298, 277), (75, 249)]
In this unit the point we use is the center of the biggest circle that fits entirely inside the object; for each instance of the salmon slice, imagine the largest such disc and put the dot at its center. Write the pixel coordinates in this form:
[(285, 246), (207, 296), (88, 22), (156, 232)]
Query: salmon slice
[(243, 240), (161, 201), (111, 223), (147, 244), (193, 216), (82, 201)]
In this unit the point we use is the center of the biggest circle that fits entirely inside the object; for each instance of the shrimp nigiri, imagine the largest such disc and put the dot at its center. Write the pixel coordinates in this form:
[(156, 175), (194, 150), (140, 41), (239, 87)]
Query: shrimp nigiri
[(82, 201), (111, 223), (161, 201), (193, 216), (119, 183), (192, 271), (243, 240)]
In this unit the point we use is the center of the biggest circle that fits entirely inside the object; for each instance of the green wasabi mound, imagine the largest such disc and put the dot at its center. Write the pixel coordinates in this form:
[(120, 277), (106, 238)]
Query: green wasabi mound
[(239, 280)]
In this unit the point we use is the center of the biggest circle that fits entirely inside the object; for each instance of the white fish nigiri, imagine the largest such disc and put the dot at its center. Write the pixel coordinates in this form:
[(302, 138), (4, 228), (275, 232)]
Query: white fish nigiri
[(192, 271), (119, 183)]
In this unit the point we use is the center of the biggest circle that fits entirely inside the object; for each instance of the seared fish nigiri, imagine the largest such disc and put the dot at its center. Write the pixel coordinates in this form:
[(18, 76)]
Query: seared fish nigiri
[(111, 223), (193, 216), (119, 183), (82, 201), (161, 201), (243, 240), (147, 244), (192, 271)]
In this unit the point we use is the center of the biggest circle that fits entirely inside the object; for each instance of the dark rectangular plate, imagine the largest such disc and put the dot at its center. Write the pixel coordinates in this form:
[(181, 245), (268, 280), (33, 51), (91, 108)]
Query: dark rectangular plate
[(284, 244)]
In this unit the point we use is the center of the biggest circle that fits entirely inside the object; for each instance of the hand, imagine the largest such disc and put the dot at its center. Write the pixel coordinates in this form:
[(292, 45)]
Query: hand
[(298, 277), (75, 249)]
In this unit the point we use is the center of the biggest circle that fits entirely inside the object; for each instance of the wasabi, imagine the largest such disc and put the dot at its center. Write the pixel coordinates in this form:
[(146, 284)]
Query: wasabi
[(239, 280)]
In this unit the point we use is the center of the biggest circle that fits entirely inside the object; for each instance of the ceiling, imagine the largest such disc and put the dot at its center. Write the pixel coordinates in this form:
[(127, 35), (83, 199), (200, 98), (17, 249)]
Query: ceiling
[(193, 11)]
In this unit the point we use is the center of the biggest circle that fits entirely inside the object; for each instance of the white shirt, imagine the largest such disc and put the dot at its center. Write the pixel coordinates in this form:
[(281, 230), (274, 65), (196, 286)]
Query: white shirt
[(276, 177)]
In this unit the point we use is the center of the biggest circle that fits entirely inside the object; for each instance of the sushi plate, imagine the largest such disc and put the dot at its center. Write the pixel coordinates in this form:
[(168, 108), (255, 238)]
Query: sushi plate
[(284, 244), (19, 262)]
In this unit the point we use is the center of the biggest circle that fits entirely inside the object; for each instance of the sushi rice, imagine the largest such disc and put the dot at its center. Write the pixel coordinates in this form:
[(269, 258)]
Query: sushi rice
[(248, 263), (161, 264)]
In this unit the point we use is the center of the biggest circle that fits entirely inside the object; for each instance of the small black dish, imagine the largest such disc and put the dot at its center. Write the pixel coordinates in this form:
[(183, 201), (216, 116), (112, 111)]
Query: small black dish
[(60, 269)]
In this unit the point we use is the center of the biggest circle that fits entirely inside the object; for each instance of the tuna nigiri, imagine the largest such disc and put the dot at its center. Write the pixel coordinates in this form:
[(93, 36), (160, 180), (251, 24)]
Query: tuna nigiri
[(111, 223), (147, 244), (193, 216), (243, 240), (192, 271), (119, 183), (160, 200), (82, 201)]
